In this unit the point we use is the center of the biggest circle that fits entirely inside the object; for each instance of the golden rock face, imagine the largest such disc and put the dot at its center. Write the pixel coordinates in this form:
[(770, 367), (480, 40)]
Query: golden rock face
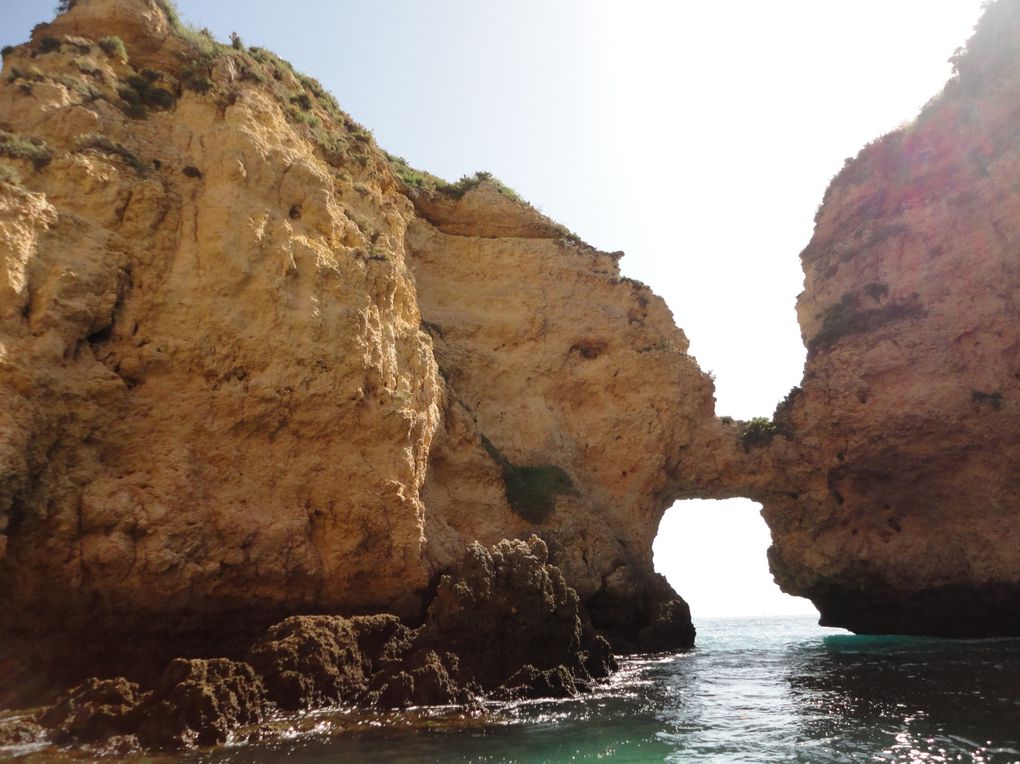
[(896, 500), (222, 317), (246, 371), (217, 395)]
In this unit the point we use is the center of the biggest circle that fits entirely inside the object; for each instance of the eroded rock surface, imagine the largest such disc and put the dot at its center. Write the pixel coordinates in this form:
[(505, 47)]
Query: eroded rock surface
[(503, 623), (220, 321), (568, 396), (894, 496), (218, 402)]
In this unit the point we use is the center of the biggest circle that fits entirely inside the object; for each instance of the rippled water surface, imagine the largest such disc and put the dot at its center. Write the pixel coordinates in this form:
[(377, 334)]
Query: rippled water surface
[(755, 690)]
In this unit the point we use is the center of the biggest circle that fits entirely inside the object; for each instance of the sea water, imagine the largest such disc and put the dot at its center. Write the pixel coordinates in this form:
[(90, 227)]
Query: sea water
[(754, 690)]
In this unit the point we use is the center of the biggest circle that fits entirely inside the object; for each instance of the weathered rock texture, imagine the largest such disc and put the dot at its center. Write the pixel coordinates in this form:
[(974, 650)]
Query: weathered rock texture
[(504, 623), (220, 319), (569, 402), (217, 398), (251, 367), (894, 498)]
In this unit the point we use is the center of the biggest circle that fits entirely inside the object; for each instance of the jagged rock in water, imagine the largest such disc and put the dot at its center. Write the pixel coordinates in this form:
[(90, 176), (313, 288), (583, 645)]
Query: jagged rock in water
[(19, 730), (309, 661), (95, 710), (199, 702), (504, 608)]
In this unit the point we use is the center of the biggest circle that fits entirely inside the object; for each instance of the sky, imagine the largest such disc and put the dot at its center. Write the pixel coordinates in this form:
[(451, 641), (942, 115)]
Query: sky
[(698, 137)]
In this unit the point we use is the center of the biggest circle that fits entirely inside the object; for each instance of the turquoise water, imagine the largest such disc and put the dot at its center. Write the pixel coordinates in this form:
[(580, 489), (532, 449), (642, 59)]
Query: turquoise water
[(755, 690)]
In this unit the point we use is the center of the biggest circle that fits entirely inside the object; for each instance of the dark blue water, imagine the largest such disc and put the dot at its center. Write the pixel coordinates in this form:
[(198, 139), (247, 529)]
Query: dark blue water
[(755, 690)]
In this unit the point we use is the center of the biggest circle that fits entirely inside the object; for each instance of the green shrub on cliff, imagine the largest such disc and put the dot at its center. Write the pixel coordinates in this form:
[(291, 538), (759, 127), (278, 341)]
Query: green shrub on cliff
[(411, 177), (468, 182), (758, 432), (101, 144), (113, 46), (531, 491)]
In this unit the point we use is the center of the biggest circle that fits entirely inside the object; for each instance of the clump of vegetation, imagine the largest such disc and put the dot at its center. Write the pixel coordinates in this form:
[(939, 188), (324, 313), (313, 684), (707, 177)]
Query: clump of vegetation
[(326, 101), (114, 47), (531, 491), (848, 317), (411, 177), (781, 417), (9, 176), (103, 145), (195, 75), (87, 66), (6, 50), (758, 432), (32, 150), (302, 101), (172, 15), (85, 89), (235, 41), (468, 182), (333, 144), (49, 44), (303, 117), (876, 290), (34, 74), (141, 93)]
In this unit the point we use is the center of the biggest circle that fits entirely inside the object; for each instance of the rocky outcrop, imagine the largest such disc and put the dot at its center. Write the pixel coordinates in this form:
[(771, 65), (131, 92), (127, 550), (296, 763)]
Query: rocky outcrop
[(893, 488), (249, 371), (197, 702), (523, 616), (252, 367), (504, 623), (218, 402), (568, 396)]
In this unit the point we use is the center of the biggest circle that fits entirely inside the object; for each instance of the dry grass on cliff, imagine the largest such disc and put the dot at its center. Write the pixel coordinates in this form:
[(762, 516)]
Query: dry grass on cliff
[(30, 149)]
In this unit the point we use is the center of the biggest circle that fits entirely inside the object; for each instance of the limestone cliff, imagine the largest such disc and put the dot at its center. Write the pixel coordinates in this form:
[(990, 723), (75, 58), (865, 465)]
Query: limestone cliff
[(569, 401), (893, 490), (217, 396), (220, 322)]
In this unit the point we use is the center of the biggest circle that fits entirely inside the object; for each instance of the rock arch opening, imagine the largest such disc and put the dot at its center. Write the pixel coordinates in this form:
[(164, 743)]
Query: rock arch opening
[(713, 553)]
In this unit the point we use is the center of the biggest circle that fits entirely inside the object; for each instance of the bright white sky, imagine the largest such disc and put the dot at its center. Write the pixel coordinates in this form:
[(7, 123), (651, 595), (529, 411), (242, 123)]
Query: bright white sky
[(698, 137)]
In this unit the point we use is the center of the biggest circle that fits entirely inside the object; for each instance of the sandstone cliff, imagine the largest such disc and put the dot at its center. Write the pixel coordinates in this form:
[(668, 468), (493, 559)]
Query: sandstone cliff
[(248, 371), (893, 493)]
